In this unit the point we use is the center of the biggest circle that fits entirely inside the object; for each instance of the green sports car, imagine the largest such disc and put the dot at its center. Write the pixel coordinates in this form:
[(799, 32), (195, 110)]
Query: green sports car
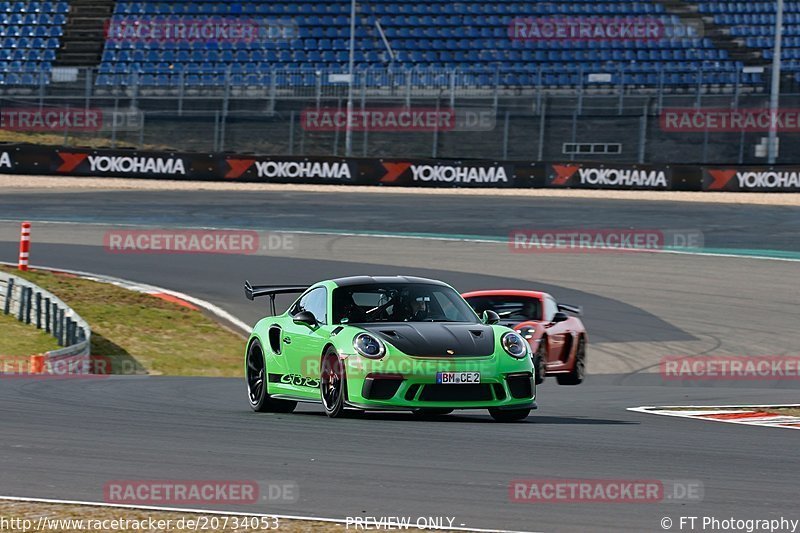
[(386, 343)]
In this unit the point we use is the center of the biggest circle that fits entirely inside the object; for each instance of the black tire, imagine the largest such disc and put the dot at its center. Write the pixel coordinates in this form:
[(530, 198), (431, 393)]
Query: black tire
[(256, 379), (332, 384), (578, 373), (539, 359), (509, 415), (429, 413)]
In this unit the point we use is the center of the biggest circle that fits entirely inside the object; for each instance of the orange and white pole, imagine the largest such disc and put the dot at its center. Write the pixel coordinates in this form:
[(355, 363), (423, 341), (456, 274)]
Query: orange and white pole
[(24, 246)]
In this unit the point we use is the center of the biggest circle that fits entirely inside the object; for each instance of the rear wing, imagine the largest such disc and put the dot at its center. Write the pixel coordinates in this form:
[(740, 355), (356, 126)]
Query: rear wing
[(576, 310), (255, 291)]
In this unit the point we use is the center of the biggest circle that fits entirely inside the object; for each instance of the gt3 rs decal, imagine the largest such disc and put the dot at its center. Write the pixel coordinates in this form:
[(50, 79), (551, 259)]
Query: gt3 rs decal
[(295, 379)]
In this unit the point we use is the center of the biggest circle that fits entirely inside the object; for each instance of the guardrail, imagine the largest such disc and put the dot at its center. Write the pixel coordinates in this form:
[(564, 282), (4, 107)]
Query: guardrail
[(33, 305)]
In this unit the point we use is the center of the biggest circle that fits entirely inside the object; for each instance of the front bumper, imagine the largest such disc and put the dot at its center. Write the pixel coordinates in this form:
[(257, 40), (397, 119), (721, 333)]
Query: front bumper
[(401, 382)]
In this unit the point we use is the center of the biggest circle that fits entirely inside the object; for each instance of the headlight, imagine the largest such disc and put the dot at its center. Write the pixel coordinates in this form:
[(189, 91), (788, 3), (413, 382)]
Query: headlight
[(514, 345), (368, 346)]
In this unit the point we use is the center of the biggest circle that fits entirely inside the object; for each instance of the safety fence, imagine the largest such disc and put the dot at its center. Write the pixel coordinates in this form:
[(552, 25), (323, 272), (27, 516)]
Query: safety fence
[(224, 166), (33, 305)]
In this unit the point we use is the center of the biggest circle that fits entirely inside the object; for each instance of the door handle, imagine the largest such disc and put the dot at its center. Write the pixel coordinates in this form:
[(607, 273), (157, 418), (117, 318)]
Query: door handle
[(287, 340)]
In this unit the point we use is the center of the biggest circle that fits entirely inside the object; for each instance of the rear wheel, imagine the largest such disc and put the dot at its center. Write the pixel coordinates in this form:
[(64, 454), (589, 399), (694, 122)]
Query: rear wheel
[(256, 376), (509, 415), (578, 372), (332, 384), (427, 413), (539, 359)]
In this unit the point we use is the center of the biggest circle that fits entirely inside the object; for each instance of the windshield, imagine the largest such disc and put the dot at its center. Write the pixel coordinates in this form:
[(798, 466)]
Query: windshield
[(399, 302), (517, 308)]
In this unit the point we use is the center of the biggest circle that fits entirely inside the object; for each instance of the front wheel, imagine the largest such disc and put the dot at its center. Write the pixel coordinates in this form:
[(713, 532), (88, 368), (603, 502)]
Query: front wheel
[(256, 376), (509, 415), (332, 384), (578, 372)]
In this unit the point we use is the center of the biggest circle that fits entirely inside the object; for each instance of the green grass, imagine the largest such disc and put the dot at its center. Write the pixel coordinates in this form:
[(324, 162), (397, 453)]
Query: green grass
[(156, 336), (20, 339)]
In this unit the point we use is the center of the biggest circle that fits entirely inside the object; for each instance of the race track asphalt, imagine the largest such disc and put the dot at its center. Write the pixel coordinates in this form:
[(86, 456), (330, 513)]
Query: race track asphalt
[(67, 439)]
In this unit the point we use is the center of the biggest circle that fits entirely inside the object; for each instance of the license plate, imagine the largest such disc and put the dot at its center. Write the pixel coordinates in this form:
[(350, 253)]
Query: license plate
[(457, 378)]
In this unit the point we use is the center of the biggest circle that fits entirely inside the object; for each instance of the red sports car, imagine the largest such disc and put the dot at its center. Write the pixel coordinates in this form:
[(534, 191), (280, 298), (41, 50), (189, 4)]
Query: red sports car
[(558, 340)]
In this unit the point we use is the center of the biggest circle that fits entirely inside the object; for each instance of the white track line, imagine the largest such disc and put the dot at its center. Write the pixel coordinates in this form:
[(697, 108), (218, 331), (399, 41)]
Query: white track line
[(396, 525)]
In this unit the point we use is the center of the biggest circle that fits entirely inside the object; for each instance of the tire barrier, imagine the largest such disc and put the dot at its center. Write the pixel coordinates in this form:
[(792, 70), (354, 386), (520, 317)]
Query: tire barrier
[(125, 163), (31, 304)]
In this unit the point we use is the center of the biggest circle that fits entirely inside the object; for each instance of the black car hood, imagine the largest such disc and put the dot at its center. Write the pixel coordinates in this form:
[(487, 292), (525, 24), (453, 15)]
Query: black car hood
[(436, 339)]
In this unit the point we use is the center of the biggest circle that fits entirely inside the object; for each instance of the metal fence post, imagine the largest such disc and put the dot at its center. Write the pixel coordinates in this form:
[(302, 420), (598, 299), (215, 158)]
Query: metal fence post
[(88, 89), (741, 147), (699, 101), (28, 304), (54, 317), (336, 132), (9, 296), (225, 107), (505, 135), (542, 113), (272, 89), (643, 133), (495, 99), (141, 130), (41, 87), (539, 88), (21, 310), (66, 129), (70, 332), (574, 137), (408, 88), (38, 310), (61, 324), (319, 88), (452, 89), (47, 328), (291, 132), (222, 121), (365, 132), (216, 131), (181, 92), (114, 124), (434, 149)]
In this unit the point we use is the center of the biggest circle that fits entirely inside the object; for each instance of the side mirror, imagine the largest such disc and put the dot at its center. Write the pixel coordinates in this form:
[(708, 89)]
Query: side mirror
[(306, 318), (560, 317), (490, 317)]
